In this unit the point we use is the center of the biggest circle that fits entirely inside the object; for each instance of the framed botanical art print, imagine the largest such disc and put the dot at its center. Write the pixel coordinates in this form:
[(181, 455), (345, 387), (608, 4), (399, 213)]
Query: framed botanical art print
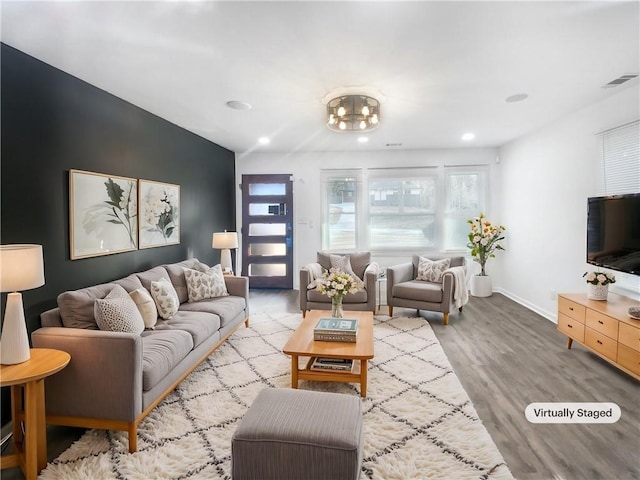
[(103, 214), (159, 221)]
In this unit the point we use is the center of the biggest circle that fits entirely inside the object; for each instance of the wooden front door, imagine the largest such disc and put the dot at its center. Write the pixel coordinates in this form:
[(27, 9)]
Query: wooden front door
[(267, 230)]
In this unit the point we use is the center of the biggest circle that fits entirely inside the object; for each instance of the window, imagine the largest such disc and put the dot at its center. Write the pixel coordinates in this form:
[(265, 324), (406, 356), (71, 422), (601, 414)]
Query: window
[(401, 209)]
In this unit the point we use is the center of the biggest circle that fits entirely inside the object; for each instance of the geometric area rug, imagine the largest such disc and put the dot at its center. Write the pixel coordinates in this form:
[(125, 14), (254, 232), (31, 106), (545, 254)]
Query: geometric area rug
[(418, 421)]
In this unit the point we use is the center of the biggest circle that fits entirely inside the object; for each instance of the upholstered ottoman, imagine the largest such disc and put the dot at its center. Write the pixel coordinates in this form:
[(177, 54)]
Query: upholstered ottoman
[(298, 434)]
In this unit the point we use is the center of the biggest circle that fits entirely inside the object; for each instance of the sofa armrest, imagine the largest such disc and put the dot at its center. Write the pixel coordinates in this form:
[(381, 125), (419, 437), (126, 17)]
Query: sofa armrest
[(237, 286), (103, 379)]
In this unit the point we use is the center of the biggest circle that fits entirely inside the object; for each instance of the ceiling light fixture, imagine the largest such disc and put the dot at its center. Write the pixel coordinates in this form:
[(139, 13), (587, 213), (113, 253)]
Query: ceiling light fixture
[(264, 140), (353, 113), (238, 105), (363, 139), (518, 97), (468, 136)]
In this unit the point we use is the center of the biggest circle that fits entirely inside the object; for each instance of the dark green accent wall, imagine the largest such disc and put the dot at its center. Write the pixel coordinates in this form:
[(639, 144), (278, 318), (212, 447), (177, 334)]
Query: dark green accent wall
[(52, 122)]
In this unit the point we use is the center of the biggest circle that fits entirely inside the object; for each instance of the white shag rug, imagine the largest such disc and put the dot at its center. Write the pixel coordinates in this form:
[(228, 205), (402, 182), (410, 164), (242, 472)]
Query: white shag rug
[(418, 421)]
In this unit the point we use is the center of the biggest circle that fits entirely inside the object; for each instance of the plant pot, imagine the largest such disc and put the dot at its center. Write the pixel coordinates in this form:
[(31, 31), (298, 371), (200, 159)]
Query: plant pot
[(481, 286), (597, 292)]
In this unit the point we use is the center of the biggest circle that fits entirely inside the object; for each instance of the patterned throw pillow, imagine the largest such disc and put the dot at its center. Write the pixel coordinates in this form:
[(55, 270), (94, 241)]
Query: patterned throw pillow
[(342, 263), (203, 285), (118, 313), (165, 297), (146, 307), (432, 270)]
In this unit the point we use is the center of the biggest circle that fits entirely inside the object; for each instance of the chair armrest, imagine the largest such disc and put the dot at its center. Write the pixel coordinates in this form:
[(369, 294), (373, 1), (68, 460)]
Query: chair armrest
[(448, 281), (373, 267), (104, 377), (237, 286), (399, 273)]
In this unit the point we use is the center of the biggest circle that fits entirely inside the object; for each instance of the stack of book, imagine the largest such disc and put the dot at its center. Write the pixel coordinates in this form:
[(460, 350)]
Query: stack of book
[(341, 364), (336, 330)]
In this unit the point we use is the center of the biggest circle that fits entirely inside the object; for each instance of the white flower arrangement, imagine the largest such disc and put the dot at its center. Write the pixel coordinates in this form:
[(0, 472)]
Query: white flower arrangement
[(335, 284), (599, 278)]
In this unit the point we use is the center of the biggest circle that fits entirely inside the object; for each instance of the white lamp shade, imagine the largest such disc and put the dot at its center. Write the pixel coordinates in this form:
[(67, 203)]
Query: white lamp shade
[(225, 240), (21, 267)]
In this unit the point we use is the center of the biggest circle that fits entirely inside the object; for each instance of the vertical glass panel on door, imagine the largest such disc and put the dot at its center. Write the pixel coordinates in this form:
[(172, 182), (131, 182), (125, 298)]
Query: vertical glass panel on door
[(268, 249), (267, 269), (261, 189), (267, 229)]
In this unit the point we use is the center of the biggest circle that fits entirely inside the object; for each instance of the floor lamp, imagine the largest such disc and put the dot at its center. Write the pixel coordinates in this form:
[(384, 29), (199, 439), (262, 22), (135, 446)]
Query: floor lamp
[(225, 241), (21, 268)]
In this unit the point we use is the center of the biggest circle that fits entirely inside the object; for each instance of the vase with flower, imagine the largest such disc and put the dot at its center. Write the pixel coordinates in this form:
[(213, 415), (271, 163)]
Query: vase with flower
[(598, 284), (335, 284), (484, 239)]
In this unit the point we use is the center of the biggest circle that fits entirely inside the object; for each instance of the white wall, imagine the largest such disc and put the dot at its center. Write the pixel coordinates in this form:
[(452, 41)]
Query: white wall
[(305, 168), (546, 178)]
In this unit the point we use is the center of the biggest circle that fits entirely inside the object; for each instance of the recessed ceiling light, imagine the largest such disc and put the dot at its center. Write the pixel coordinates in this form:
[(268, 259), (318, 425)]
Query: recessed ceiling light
[(263, 140), (468, 136), (518, 97), (238, 105), (363, 139)]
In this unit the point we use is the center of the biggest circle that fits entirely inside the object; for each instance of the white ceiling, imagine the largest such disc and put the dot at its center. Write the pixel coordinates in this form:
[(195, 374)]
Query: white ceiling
[(440, 68)]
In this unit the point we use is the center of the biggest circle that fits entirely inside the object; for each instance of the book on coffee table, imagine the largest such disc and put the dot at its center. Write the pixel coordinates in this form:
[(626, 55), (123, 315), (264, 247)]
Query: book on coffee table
[(341, 364), (336, 330)]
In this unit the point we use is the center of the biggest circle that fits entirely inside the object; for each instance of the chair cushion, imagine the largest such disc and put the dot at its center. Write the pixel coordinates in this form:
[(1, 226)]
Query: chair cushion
[(455, 262), (359, 261), (418, 290), (432, 270)]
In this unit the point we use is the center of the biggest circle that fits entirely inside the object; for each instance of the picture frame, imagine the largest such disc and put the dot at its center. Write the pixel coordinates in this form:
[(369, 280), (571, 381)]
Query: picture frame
[(159, 214), (103, 214)]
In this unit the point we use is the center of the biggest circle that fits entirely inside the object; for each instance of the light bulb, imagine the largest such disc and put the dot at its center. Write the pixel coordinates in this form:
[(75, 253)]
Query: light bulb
[(374, 118), (342, 126), (363, 125), (365, 110), (332, 119), (341, 111)]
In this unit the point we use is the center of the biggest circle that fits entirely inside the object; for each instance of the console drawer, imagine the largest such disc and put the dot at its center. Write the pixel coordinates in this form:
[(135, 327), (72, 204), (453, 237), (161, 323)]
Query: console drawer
[(571, 309), (603, 324), (629, 358), (629, 336), (571, 327), (601, 343)]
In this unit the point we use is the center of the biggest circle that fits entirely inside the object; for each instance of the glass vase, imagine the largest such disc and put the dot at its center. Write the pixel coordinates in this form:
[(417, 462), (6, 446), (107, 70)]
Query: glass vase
[(336, 308)]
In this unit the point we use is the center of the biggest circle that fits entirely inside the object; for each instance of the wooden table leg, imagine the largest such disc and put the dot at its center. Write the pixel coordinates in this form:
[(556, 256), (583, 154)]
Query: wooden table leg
[(294, 371), (31, 433), (569, 342), (363, 378)]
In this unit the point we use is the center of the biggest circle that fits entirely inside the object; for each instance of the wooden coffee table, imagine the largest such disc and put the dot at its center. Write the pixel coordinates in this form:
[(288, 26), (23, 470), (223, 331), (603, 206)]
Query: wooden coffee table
[(302, 344)]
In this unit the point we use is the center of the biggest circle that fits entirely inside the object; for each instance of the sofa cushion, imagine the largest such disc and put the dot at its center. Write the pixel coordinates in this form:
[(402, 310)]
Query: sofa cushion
[(226, 308), (432, 270), (200, 325), (146, 306), (176, 275), (152, 275), (130, 283), (76, 307), (165, 297), (418, 290), (204, 285), (117, 312), (359, 261), (162, 350)]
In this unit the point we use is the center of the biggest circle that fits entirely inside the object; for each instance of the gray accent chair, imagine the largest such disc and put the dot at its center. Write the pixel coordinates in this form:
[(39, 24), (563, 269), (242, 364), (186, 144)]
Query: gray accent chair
[(403, 290), (363, 267)]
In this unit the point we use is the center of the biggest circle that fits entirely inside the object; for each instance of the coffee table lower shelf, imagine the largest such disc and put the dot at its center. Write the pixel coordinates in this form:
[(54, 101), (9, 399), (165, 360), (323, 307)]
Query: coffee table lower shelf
[(358, 374)]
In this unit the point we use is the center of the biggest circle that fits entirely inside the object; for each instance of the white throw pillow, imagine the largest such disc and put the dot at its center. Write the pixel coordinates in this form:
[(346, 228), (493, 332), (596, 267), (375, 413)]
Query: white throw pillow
[(165, 297), (342, 263), (118, 313), (432, 270), (203, 285), (146, 306)]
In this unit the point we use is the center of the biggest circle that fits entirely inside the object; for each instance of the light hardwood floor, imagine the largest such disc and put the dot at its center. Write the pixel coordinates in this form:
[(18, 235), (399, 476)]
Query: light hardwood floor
[(506, 357)]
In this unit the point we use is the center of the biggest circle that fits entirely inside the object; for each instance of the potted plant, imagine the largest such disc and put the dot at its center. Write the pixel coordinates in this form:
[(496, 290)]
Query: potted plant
[(335, 284), (484, 240), (598, 284)]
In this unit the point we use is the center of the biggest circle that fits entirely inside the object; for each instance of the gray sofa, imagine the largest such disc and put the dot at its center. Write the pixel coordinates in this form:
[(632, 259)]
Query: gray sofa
[(115, 379)]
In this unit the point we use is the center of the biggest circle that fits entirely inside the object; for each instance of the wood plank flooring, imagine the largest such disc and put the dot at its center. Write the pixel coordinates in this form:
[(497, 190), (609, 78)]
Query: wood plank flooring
[(506, 357)]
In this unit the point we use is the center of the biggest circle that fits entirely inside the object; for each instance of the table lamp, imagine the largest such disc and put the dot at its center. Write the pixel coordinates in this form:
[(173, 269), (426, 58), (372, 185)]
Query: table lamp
[(225, 241), (21, 268)]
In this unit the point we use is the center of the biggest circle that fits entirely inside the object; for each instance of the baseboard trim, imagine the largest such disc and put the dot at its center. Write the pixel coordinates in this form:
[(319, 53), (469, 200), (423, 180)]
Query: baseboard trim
[(551, 316)]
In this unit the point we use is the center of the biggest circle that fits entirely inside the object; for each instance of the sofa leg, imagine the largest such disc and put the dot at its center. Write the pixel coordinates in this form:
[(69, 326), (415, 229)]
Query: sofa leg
[(133, 437), (460, 309), (246, 322), (304, 313), (391, 310), (446, 318)]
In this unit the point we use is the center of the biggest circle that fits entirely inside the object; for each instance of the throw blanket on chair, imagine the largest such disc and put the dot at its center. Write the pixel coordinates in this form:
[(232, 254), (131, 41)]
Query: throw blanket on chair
[(460, 292)]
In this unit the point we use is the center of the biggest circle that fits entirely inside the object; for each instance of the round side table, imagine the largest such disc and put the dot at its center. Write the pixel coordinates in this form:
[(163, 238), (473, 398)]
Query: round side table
[(26, 380)]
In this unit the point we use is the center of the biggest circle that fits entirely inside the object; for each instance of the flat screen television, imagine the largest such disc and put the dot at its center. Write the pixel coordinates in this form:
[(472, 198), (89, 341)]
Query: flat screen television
[(613, 232)]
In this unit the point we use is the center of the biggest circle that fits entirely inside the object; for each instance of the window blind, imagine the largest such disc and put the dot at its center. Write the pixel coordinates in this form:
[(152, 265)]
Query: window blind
[(621, 159)]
